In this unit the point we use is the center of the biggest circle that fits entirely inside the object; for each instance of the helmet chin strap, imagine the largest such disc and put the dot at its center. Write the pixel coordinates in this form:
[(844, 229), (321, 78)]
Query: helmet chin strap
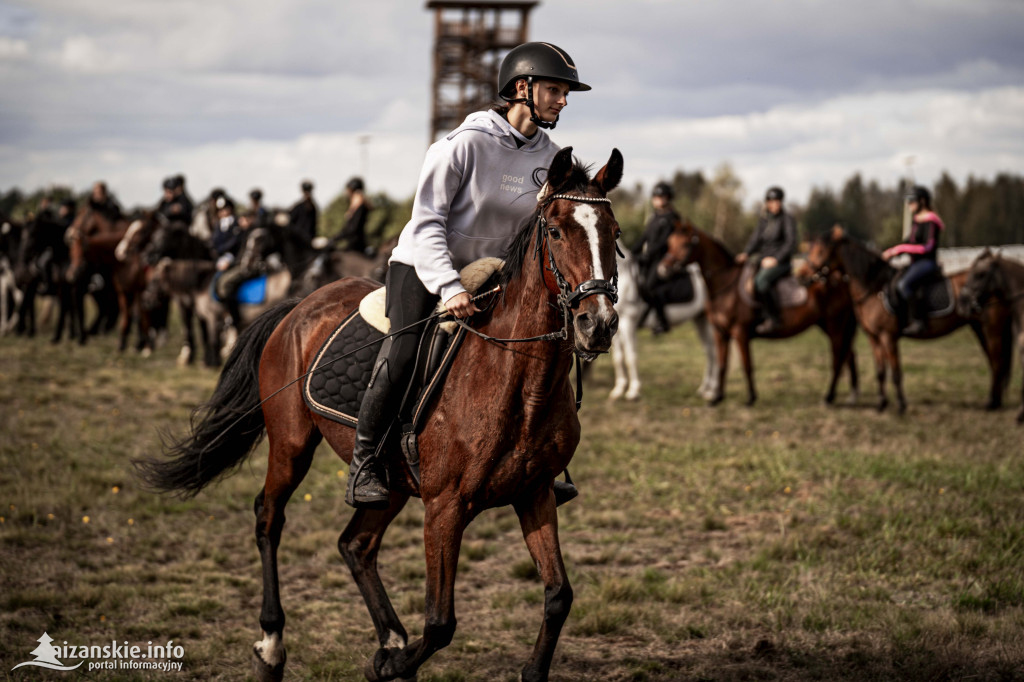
[(528, 101)]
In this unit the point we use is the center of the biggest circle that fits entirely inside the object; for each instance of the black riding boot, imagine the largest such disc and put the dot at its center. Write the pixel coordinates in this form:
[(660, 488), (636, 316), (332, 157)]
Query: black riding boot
[(367, 478), (663, 325), (917, 316), (234, 311), (773, 318)]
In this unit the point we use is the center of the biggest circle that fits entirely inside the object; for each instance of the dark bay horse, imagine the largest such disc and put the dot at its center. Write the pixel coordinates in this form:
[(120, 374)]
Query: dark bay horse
[(828, 306), (487, 443), (92, 240), (994, 280), (868, 275)]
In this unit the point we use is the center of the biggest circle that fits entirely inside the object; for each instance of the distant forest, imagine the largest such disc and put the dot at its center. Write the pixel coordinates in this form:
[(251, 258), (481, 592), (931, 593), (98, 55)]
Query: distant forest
[(980, 213)]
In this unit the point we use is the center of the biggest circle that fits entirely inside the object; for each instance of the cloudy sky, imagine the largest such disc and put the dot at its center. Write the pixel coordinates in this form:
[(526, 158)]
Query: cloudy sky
[(241, 93)]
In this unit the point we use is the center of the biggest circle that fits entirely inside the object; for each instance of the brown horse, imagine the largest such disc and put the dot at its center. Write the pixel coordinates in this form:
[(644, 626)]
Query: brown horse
[(827, 305), (995, 280), (114, 250), (868, 275), (92, 239), (487, 443)]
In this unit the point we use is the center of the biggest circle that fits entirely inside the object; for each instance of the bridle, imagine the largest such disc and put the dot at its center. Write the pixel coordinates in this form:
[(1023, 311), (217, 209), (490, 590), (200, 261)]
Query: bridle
[(567, 297)]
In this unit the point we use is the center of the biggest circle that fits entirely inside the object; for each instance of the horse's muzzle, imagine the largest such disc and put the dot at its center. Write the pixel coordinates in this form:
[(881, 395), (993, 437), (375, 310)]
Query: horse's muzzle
[(594, 329)]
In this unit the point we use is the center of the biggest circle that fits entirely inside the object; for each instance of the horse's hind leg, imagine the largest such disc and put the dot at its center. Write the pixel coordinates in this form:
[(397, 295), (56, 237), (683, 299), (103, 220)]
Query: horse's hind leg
[(879, 355), (291, 452), (359, 544), (540, 529)]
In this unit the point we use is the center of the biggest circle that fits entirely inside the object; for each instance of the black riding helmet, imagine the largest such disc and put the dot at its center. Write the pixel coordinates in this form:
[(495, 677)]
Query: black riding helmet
[(774, 193), (921, 195), (663, 189), (536, 61)]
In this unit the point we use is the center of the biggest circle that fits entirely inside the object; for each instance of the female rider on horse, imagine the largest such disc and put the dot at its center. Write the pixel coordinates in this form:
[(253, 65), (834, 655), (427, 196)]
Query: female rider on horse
[(775, 240), (923, 247), (469, 205)]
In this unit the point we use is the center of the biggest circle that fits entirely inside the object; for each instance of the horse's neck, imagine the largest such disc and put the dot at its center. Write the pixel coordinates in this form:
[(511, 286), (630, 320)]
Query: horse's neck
[(1013, 278), (876, 274), (717, 266), (525, 309)]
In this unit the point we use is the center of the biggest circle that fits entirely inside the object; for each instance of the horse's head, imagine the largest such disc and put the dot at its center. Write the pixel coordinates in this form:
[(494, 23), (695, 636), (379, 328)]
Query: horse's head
[(984, 281), (682, 245), (576, 241), (823, 256)]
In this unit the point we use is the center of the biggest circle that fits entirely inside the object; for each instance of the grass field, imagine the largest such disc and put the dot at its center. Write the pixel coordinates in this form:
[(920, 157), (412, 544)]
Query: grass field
[(788, 541)]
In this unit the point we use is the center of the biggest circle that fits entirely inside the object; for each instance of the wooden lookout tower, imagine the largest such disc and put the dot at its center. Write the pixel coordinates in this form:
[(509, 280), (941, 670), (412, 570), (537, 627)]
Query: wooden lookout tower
[(470, 40)]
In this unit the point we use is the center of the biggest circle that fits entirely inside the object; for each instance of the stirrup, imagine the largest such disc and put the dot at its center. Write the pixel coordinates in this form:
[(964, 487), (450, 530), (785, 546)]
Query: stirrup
[(768, 326), (365, 489), (564, 492)]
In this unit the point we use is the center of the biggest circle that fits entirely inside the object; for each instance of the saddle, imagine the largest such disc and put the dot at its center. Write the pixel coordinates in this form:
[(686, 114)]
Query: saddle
[(789, 292), (340, 372), (935, 295)]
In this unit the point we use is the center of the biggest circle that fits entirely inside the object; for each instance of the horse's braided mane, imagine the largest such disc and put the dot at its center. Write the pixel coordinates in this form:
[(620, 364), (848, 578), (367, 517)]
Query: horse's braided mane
[(521, 248)]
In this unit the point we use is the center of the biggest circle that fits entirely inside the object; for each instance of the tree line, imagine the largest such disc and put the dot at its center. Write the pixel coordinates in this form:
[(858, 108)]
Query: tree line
[(982, 212)]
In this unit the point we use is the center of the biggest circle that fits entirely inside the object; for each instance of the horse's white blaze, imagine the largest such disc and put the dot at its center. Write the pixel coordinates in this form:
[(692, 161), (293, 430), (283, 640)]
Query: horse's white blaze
[(121, 252), (270, 649), (586, 216)]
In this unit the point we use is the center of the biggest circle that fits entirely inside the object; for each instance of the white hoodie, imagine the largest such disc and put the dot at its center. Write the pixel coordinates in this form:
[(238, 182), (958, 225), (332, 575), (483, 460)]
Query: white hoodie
[(475, 190)]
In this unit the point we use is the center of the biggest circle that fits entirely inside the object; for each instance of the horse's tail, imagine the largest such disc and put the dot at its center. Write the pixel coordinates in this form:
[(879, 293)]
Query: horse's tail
[(226, 428)]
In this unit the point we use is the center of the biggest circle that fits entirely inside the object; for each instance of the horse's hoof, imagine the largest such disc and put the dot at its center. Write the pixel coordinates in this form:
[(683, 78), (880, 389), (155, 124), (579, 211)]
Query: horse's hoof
[(374, 670), (902, 409), (750, 401), (716, 400), (265, 672), (992, 406), (882, 404), (830, 399), (1020, 417)]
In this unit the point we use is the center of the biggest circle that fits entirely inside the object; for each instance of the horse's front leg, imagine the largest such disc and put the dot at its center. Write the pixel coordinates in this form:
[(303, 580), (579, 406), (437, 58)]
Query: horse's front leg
[(743, 341), (539, 521), (879, 354), (707, 385), (722, 353), (890, 344), (444, 522)]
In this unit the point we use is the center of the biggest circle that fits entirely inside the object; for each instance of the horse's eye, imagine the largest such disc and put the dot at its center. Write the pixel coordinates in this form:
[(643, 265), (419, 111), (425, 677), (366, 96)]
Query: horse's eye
[(555, 233), (618, 233)]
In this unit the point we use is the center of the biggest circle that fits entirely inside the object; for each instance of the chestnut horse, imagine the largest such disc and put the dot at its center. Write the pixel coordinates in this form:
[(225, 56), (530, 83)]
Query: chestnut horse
[(487, 444), (868, 275), (995, 280), (828, 306)]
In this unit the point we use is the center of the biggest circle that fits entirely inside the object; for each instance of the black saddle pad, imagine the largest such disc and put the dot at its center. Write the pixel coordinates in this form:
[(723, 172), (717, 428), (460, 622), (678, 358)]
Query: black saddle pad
[(937, 292), (337, 382), (340, 372)]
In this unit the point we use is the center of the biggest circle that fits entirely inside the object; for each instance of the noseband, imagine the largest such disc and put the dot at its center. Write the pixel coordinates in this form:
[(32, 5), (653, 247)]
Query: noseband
[(569, 298)]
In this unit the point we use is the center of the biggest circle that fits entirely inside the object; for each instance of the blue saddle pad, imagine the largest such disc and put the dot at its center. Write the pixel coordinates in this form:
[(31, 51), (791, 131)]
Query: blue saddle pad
[(252, 292)]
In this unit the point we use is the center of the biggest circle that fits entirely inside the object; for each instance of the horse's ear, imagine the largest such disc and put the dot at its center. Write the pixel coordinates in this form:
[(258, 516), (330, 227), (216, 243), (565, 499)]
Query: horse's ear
[(608, 178), (558, 174)]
